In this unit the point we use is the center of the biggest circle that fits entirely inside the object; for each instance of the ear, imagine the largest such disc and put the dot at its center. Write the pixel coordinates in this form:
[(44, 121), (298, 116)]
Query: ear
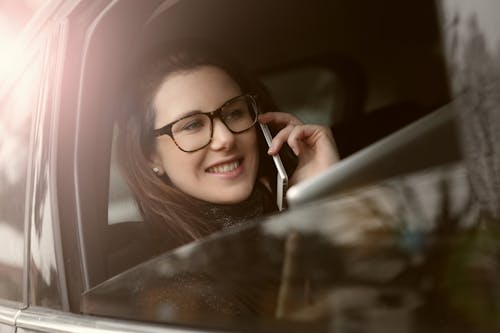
[(156, 165)]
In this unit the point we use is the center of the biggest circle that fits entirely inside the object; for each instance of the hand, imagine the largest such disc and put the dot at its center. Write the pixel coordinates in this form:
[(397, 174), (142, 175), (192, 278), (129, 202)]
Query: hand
[(313, 144)]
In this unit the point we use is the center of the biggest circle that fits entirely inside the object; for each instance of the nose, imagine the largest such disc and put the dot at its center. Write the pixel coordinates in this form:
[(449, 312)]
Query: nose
[(222, 137)]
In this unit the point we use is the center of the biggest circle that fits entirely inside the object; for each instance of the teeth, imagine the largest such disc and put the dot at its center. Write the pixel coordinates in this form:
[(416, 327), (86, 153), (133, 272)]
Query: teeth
[(224, 167)]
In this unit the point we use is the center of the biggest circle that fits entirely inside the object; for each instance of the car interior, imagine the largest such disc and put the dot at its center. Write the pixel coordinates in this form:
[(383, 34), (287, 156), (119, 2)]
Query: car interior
[(364, 69)]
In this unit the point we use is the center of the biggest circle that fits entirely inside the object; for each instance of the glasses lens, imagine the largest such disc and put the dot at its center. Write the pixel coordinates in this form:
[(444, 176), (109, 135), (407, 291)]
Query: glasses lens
[(193, 132), (240, 114)]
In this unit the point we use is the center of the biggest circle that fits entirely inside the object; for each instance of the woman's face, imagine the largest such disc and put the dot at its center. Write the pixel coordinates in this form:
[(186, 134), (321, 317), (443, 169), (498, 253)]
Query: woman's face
[(226, 169)]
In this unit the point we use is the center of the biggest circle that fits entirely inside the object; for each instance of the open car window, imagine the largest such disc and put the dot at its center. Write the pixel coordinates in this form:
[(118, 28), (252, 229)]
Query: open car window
[(313, 86), (313, 94), (122, 206)]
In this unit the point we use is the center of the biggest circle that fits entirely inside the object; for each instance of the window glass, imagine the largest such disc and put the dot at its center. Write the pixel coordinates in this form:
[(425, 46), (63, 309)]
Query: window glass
[(16, 111), (351, 261)]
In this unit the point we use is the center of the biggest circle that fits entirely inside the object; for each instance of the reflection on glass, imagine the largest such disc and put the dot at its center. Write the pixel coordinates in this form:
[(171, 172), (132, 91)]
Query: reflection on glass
[(14, 16), (403, 256), (472, 37), (16, 111), (11, 262)]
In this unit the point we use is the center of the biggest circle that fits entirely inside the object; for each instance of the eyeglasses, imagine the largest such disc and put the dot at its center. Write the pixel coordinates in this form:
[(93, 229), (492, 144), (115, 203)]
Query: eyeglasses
[(195, 131)]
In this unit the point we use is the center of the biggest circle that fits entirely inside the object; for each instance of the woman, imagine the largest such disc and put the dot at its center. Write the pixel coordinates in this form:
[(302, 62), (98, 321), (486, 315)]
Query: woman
[(191, 149)]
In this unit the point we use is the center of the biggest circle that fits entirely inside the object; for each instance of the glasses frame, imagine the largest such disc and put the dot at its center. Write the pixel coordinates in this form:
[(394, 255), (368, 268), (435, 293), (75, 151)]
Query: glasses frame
[(167, 129)]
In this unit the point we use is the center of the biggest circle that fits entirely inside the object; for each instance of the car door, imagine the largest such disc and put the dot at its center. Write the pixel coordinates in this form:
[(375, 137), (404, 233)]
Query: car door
[(54, 193)]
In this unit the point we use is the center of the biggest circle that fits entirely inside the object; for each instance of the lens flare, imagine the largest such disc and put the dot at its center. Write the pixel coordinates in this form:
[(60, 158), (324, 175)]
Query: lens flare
[(14, 16), (7, 40)]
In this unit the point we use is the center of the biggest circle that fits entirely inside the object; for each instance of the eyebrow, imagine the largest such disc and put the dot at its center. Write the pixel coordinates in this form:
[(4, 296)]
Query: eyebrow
[(190, 113), (187, 114)]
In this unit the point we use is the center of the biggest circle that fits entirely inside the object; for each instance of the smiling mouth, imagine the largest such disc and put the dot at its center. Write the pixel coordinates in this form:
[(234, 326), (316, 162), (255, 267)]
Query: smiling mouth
[(226, 167)]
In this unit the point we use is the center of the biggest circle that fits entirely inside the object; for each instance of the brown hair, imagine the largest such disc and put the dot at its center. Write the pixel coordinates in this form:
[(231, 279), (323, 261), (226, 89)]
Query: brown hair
[(170, 212)]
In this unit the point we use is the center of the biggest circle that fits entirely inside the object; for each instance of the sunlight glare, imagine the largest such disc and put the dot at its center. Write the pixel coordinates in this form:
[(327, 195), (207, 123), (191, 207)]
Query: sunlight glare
[(14, 16), (7, 40)]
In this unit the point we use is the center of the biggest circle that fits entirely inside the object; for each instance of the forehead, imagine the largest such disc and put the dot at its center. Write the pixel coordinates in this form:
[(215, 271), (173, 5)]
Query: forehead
[(199, 89)]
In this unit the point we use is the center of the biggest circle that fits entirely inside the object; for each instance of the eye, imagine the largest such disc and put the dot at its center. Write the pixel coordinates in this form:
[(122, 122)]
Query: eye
[(192, 125), (234, 114)]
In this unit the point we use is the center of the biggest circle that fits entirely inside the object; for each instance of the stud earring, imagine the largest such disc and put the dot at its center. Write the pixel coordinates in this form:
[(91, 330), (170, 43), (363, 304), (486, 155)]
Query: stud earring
[(156, 170)]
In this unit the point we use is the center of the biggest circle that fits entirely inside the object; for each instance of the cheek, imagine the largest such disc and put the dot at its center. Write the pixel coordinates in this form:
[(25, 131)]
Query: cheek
[(175, 162), (250, 144), (253, 142)]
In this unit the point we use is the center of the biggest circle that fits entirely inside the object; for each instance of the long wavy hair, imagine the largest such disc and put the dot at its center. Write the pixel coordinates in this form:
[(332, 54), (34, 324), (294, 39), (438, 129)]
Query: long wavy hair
[(170, 212)]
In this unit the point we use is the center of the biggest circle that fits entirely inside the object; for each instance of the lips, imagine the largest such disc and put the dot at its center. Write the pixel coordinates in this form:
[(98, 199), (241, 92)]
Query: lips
[(225, 167)]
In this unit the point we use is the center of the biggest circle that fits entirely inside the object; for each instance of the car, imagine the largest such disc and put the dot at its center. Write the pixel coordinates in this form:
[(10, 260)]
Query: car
[(394, 250)]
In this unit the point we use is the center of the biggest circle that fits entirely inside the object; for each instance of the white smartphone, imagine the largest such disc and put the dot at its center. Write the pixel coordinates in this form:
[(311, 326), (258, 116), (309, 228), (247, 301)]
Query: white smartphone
[(282, 177)]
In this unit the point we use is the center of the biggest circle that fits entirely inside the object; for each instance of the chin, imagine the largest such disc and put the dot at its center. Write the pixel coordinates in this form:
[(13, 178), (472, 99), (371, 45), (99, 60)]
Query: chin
[(234, 197)]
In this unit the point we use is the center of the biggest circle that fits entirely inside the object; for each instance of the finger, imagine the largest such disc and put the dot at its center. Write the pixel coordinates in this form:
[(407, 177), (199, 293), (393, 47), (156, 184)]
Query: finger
[(312, 133), (280, 138), (309, 135), (315, 139), (279, 118), (297, 136)]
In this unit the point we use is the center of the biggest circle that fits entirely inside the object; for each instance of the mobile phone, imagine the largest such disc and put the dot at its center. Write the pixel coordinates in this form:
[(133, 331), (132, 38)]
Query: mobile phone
[(282, 177)]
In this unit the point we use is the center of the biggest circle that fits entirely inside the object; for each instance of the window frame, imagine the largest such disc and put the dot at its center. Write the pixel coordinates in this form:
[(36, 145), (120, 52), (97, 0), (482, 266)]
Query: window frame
[(85, 135)]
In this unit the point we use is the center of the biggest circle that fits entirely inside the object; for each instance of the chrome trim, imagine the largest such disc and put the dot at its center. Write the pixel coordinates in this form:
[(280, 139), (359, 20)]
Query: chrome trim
[(8, 315), (44, 320)]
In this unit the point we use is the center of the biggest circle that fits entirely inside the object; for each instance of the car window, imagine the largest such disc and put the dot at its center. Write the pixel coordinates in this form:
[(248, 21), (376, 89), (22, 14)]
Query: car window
[(313, 94), (307, 82), (327, 83), (325, 267), (16, 113), (122, 206)]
